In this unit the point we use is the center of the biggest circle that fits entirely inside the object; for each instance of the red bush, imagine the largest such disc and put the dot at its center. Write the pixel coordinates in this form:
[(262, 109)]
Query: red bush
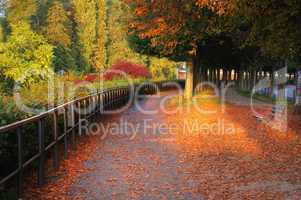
[(88, 78), (116, 71), (130, 69)]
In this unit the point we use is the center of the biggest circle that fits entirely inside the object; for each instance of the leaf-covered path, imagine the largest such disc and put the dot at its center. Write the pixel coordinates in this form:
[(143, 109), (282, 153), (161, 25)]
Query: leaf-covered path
[(146, 166), (204, 155)]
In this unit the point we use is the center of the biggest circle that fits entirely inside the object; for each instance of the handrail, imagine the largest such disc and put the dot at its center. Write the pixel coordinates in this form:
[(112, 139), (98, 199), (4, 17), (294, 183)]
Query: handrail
[(6, 128), (22, 122), (108, 99)]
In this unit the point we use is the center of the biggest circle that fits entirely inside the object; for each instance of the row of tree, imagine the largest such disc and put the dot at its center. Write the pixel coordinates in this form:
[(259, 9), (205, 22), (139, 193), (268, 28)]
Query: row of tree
[(70, 35), (119, 47), (75, 29), (249, 37), (63, 34)]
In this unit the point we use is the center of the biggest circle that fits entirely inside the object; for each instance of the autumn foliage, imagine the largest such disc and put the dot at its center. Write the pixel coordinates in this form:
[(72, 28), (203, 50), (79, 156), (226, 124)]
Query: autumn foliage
[(173, 24), (122, 68)]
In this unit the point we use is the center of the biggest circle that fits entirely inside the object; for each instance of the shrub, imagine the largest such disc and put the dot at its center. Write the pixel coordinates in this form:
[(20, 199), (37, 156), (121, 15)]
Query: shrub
[(131, 69), (26, 56), (38, 94), (163, 69), (8, 111), (90, 77), (87, 78)]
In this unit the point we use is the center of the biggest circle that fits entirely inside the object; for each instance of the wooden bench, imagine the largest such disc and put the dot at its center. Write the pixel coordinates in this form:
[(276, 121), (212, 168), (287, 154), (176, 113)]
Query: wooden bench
[(297, 110), (277, 112)]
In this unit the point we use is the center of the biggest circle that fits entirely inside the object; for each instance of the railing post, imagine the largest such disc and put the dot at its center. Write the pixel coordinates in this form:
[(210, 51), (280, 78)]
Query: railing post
[(73, 127), (107, 99), (101, 103), (94, 106), (85, 109), (55, 134), (104, 101), (88, 103), (41, 173), (79, 117), (111, 99), (90, 111), (98, 103), (20, 161), (126, 96), (118, 98), (65, 132)]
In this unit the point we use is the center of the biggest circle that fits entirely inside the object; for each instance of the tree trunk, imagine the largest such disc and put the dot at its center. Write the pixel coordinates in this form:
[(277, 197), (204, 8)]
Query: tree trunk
[(236, 75), (215, 78), (265, 75), (229, 76), (239, 78), (224, 75), (247, 80), (189, 81), (298, 89), (272, 75), (295, 77), (252, 78), (244, 80), (257, 76), (213, 75), (196, 74), (204, 72), (210, 75)]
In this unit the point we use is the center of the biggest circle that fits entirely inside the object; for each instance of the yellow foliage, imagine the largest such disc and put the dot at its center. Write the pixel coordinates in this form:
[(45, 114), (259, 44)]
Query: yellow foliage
[(162, 69), (58, 28), (100, 54)]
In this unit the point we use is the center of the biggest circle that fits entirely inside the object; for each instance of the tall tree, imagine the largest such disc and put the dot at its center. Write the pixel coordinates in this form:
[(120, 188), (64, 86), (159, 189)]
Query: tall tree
[(2, 31), (85, 19), (118, 48), (100, 53), (175, 29), (58, 29), (26, 57), (18, 11), (274, 26)]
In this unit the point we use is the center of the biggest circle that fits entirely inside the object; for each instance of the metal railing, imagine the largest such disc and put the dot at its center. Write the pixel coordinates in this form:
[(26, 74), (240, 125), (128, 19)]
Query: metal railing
[(71, 114)]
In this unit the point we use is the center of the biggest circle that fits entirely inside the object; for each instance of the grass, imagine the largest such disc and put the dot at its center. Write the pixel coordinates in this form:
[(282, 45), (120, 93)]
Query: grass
[(257, 96), (261, 97), (202, 98)]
